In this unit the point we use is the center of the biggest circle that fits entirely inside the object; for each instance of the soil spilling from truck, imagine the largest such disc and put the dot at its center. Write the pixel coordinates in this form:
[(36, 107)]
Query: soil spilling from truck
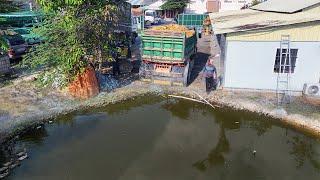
[(155, 138)]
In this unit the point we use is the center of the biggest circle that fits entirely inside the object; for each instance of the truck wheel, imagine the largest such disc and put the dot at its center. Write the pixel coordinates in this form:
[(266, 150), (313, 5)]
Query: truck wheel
[(186, 75)]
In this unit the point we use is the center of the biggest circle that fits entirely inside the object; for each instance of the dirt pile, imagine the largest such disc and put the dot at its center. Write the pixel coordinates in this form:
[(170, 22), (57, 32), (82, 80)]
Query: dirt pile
[(175, 28), (85, 85)]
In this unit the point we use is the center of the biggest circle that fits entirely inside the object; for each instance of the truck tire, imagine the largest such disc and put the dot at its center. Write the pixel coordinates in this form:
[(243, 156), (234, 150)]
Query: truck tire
[(186, 74)]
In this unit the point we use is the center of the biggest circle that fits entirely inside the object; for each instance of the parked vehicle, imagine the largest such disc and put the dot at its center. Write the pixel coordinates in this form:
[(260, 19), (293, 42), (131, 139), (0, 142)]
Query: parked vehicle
[(168, 57), (151, 17), (5, 68), (124, 32), (136, 26), (29, 37), (17, 46), (121, 45)]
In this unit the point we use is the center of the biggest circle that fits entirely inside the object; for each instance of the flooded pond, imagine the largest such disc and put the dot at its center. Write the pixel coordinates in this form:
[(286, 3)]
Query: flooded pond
[(160, 139)]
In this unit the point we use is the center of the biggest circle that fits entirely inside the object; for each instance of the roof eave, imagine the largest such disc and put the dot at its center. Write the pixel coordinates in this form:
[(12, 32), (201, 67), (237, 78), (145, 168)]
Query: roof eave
[(259, 28)]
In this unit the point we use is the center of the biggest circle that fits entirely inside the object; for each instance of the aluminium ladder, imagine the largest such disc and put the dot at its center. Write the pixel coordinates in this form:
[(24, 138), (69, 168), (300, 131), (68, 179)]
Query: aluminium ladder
[(284, 72)]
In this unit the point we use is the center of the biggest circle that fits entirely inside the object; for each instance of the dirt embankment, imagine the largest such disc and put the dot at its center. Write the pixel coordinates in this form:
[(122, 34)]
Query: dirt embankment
[(24, 106)]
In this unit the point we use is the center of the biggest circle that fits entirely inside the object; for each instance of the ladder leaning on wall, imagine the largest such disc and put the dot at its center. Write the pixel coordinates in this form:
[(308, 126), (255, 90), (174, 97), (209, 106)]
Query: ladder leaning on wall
[(285, 70)]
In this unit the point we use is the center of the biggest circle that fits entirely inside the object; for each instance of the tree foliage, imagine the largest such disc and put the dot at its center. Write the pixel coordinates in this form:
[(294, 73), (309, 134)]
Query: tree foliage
[(175, 4), (73, 30)]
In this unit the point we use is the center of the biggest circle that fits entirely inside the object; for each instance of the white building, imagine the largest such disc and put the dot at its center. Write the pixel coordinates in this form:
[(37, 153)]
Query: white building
[(250, 44), (196, 7), (204, 6), (231, 5)]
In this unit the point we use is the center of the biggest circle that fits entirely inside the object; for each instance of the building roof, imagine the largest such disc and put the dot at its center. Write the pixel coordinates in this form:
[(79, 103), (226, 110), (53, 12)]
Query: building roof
[(249, 19), (156, 5), (285, 6)]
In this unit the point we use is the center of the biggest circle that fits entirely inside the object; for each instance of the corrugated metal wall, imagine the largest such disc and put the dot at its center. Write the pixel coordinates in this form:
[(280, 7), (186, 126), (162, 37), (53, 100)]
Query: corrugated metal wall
[(250, 65), (298, 32)]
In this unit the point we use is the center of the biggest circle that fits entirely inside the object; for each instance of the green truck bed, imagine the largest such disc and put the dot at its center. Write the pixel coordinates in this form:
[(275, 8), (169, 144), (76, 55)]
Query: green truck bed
[(167, 47)]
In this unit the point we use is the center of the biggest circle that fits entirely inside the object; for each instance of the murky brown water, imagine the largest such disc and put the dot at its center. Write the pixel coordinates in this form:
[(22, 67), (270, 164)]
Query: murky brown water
[(153, 138)]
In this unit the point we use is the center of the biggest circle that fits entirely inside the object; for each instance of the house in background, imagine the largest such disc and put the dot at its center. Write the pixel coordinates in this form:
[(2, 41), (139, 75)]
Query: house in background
[(250, 43), (231, 5), (213, 6), (196, 7), (193, 7), (210, 6)]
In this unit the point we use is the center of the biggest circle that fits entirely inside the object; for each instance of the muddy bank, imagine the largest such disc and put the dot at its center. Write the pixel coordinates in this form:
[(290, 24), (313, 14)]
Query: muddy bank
[(45, 109)]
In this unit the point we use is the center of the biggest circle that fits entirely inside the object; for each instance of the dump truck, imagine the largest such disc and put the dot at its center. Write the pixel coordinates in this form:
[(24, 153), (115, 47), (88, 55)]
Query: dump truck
[(167, 56), (123, 31)]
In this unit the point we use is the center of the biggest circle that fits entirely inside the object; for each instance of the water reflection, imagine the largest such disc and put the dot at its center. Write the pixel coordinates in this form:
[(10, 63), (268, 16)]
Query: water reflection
[(180, 108), (231, 119), (3, 156), (35, 135), (216, 156), (156, 138), (303, 150), (120, 108)]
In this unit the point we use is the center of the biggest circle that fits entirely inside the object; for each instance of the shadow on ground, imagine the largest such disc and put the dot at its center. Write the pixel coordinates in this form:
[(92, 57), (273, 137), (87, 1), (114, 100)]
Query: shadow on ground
[(200, 62)]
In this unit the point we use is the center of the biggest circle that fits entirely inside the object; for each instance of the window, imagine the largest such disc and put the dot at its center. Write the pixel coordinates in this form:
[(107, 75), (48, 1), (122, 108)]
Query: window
[(150, 14), (282, 64)]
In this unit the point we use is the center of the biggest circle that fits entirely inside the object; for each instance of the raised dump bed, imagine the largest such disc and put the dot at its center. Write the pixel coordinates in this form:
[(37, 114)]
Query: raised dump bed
[(192, 20), (195, 21), (167, 56)]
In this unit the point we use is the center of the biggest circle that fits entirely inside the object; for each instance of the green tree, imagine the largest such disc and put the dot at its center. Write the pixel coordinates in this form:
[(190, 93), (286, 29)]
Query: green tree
[(73, 30), (175, 4)]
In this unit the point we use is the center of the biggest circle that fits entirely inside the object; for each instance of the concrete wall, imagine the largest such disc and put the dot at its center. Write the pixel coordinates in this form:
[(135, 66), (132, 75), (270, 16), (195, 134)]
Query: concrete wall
[(250, 65)]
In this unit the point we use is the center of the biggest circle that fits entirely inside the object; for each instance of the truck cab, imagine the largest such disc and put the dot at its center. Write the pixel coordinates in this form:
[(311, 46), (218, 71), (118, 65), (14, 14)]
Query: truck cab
[(151, 17)]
